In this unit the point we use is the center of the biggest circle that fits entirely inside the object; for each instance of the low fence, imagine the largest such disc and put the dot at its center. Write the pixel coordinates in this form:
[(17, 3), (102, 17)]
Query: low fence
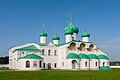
[(114, 66), (4, 65)]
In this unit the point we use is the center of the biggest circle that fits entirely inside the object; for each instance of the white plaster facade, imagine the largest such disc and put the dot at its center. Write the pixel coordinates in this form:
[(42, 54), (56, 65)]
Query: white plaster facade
[(54, 55)]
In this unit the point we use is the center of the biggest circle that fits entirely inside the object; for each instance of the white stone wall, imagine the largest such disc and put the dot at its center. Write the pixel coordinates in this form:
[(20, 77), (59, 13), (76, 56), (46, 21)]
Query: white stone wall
[(52, 58), (22, 64), (92, 64), (104, 62), (59, 59), (83, 65), (68, 64), (62, 57)]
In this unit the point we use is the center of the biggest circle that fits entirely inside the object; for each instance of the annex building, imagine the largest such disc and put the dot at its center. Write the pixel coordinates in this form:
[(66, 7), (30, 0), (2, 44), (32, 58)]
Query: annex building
[(73, 54)]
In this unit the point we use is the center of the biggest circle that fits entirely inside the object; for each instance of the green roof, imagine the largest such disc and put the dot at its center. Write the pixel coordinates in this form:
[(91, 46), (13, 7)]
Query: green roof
[(83, 56), (67, 31), (73, 27), (101, 56), (31, 56), (41, 44), (55, 37), (104, 67), (31, 47), (93, 56), (43, 34), (85, 34), (72, 56)]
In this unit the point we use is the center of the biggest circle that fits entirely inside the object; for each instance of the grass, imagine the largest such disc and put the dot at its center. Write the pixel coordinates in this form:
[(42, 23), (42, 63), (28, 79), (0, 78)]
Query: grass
[(113, 74)]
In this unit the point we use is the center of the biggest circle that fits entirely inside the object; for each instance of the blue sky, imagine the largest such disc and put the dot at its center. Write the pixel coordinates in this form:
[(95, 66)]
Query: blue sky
[(21, 22)]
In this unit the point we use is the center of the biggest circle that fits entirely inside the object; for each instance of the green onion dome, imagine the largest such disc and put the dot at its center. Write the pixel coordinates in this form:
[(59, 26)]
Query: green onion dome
[(85, 34), (67, 30), (73, 27), (55, 37), (72, 56), (93, 56), (43, 34), (101, 56), (83, 56)]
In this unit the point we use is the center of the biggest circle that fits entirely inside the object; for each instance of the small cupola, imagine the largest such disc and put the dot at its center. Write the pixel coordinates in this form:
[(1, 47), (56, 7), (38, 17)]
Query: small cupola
[(56, 39)]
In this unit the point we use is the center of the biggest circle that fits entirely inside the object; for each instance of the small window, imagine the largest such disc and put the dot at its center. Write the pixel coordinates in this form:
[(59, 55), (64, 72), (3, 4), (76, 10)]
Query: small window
[(40, 64), (43, 51), (49, 52), (86, 64), (55, 65), (55, 53), (103, 63), (27, 64), (23, 52), (73, 38), (96, 64), (62, 63), (43, 65)]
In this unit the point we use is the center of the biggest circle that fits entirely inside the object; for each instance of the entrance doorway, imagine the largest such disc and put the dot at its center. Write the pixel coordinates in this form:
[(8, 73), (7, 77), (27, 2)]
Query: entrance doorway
[(74, 64)]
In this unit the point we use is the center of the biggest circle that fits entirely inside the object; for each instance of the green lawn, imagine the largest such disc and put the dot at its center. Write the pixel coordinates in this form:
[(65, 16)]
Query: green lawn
[(113, 74)]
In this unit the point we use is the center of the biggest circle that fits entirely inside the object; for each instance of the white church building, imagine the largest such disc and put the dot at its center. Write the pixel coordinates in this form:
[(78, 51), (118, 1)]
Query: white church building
[(73, 54)]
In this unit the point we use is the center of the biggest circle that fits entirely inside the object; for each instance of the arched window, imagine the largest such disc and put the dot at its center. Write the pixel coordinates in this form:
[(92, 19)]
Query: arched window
[(62, 63), (43, 65), (43, 52), (49, 65), (27, 64), (55, 65), (96, 64), (55, 53), (86, 64), (40, 64), (49, 52), (103, 63)]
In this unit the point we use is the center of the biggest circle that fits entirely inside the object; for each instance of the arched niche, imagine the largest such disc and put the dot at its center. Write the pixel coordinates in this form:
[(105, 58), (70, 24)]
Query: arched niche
[(91, 47), (72, 46), (82, 47)]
